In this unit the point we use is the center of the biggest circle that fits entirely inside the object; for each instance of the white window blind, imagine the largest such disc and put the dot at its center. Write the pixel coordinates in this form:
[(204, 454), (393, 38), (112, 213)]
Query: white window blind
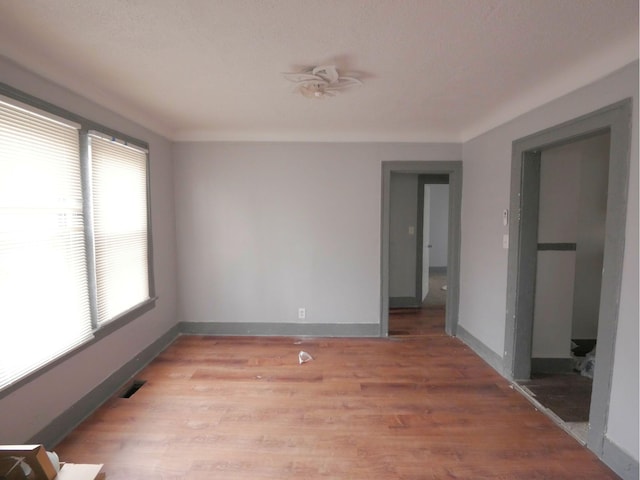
[(44, 300), (119, 184)]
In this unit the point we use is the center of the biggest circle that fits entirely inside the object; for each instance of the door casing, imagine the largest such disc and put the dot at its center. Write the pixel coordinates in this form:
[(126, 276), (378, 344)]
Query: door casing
[(521, 273), (453, 170)]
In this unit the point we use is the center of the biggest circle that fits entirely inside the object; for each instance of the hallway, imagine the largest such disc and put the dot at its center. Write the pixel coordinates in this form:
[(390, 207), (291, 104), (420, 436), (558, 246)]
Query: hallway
[(428, 320)]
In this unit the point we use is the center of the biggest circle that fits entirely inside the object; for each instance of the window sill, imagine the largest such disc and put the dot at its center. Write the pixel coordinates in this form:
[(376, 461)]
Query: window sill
[(98, 334), (124, 318)]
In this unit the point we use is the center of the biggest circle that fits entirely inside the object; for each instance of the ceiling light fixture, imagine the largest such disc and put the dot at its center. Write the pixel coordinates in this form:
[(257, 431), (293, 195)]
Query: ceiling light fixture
[(322, 81)]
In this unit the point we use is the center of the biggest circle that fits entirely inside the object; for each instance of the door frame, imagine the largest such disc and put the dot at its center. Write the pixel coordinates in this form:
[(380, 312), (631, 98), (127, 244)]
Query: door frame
[(424, 179), (521, 273), (454, 170)]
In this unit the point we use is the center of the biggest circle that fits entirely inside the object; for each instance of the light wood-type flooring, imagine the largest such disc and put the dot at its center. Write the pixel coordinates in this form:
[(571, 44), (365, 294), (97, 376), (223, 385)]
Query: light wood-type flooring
[(417, 406)]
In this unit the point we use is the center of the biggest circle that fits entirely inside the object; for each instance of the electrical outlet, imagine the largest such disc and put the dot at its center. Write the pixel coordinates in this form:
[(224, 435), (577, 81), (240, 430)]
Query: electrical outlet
[(302, 313)]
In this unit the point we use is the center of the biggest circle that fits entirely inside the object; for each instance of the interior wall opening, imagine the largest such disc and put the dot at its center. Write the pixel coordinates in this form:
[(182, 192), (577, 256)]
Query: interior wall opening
[(570, 248), (416, 173), (418, 251), (616, 119)]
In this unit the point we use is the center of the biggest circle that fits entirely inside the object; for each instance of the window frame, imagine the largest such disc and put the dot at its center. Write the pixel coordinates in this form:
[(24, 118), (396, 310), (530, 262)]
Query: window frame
[(124, 318)]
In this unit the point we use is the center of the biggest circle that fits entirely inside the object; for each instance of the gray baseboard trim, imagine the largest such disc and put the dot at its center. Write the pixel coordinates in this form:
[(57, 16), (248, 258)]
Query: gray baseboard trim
[(403, 302), (484, 352), (619, 461), (552, 365), (281, 329), (613, 456), (59, 428)]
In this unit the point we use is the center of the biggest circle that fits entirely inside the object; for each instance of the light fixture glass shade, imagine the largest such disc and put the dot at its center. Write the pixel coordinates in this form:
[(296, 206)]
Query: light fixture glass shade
[(322, 81)]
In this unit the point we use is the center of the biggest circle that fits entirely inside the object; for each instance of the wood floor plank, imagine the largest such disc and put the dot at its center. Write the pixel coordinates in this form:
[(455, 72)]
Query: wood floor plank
[(419, 406)]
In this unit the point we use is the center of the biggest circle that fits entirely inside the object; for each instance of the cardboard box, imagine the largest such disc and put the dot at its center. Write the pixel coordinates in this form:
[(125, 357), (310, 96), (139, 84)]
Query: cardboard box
[(10, 468), (78, 471), (35, 456)]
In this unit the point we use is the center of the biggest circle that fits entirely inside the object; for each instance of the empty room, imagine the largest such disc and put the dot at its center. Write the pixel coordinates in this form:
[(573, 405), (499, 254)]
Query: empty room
[(352, 239)]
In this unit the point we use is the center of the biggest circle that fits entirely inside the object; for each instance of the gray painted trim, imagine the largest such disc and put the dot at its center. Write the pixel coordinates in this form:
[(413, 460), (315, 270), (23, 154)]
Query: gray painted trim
[(434, 179), (125, 318), (53, 433), (529, 196), (419, 242), (485, 353), (453, 254), (552, 365), (280, 329), (150, 264), (615, 119), (89, 236), (454, 170), (620, 461), (557, 247), (437, 270)]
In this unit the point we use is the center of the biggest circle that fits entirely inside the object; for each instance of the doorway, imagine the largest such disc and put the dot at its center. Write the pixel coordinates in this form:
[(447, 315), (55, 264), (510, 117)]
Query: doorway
[(419, 217), (447, 171), (523, 250), (433, 212), (571, 223)]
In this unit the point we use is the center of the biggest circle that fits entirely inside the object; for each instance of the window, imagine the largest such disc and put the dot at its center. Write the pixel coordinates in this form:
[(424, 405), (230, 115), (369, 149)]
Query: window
[(74, 234), (119, 193)]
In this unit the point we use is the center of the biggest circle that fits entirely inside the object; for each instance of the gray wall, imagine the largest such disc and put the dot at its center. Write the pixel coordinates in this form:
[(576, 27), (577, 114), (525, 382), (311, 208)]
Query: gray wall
[(265, 228), (559, 193), (403, 235), (403, 215), (26, 411), (553, 305), (438, 225), (555, 274), (426, 207), (591, 217), (487, 168), (573, 202)]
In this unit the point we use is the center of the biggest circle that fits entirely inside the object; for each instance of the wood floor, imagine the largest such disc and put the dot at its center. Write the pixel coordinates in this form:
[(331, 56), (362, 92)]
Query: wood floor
[(409, 407), (412, 322), (567, 395)]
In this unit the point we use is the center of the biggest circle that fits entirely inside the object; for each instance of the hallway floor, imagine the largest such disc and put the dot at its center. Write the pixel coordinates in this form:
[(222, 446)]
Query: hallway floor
[(437, 296), (428, 320), (417, 321)]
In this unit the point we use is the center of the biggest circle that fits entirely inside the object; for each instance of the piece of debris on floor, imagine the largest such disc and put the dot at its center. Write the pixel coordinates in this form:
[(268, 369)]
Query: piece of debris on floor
[(304, 357)]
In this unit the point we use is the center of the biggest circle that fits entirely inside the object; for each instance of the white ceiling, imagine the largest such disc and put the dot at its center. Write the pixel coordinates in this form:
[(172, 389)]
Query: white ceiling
[(433, 70)]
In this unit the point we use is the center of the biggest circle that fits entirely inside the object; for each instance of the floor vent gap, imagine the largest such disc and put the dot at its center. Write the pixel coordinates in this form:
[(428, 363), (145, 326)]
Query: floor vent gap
[(135, 386)]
